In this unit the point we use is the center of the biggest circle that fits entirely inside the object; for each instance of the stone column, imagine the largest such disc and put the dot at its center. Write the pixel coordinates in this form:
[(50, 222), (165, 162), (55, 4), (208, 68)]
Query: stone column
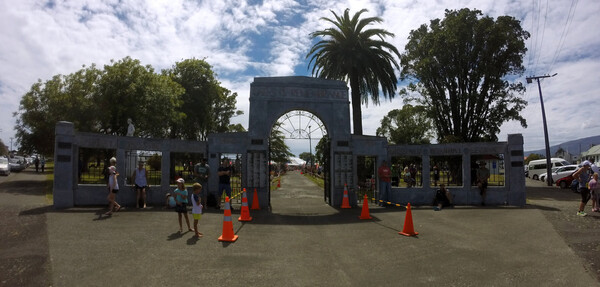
[(65, 162), (514, 171)]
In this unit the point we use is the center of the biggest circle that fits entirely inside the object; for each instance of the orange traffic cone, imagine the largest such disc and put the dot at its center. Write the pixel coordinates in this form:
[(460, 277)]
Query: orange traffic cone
[(279, 183), (345, 201), (245, 213), (255, 205), (227, 234), (408, 229), (365, 209)]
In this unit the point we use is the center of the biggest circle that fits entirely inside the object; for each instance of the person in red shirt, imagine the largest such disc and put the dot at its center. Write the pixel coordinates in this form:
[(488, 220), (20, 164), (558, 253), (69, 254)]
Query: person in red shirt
[(385, 186)]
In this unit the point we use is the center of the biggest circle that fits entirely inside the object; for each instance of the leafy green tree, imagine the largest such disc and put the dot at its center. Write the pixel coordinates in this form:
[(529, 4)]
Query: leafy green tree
[(352, 52), (236, 128), (410, 125), (127, 89), (460, 68), (533, 156), (62, 98), (223, 110), (3, 148), (308, 157), (279, 152), (322, 150), (208, 106)]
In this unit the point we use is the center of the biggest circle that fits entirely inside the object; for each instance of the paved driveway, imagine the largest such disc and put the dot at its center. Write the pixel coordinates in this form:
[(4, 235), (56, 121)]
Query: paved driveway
[(300, 242)]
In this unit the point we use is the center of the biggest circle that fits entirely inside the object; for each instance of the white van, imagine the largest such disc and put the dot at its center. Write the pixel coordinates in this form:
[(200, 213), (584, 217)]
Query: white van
[(537, 167)]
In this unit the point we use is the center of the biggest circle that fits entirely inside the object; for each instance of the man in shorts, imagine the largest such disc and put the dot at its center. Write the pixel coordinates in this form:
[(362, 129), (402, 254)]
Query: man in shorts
[(201, 175)]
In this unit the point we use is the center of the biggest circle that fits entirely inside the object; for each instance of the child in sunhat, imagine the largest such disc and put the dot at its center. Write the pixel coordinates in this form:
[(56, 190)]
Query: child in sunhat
[(113, 187)]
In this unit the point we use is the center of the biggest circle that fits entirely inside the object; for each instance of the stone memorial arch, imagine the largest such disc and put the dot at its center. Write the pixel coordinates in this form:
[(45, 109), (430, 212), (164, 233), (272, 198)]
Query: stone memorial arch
[(270, 99)]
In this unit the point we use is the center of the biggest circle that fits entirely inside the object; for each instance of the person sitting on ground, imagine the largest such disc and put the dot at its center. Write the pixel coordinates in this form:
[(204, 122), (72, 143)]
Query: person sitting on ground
[(443, 198)]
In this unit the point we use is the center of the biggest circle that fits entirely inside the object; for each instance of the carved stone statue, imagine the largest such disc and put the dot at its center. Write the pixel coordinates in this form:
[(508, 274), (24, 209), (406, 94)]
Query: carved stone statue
[(130, 128)]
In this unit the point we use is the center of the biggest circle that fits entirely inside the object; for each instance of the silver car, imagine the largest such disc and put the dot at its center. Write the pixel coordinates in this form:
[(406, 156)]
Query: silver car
[(17, 163), (4, 167)]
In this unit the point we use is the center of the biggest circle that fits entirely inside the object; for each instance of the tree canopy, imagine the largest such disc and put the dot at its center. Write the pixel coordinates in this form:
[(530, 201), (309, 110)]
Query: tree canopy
[(350, 51), (279, 152), (186, 102), (460, 69), (207, 106), (410, 125)]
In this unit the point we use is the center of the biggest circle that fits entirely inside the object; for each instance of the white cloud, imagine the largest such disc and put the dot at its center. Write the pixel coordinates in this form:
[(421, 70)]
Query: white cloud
[(39, 41)]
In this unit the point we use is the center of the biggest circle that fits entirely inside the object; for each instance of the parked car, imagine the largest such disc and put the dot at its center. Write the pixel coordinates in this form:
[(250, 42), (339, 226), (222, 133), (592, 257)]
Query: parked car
[(542, 176), (564, 182), (17, 163), (560, 172), (4, 167)]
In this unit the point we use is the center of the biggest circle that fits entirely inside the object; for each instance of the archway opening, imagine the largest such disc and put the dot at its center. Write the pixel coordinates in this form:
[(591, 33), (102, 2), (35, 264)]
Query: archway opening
[(303, 135)]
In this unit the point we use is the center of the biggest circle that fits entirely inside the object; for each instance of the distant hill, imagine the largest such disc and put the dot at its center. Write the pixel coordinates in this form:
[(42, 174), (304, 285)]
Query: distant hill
[(573, 147)]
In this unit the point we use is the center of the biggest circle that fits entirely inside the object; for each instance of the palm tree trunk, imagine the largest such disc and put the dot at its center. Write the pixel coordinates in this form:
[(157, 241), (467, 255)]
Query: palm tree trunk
[(356, 108)]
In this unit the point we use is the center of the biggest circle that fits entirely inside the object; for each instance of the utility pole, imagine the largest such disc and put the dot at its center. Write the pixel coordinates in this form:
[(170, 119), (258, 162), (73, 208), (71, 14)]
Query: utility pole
[(548, 163)]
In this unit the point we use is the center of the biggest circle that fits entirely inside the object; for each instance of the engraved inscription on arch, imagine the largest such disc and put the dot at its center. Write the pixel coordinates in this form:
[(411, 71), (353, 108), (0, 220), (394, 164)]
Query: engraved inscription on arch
[(298, 93)]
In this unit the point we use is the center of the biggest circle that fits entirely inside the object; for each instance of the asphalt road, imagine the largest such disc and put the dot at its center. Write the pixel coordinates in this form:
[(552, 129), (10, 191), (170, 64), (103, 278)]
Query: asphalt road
[(300, 242)]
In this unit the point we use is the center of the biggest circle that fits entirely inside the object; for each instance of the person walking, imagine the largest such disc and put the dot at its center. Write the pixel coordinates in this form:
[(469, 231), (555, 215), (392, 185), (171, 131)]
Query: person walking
[(583, 177), (141, 184), (181, 201), (43, 163), (113, 187), (385, 188)]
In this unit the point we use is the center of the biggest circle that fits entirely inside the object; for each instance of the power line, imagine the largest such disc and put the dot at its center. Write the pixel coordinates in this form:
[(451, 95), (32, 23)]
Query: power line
[(564, 33), (537, 61)]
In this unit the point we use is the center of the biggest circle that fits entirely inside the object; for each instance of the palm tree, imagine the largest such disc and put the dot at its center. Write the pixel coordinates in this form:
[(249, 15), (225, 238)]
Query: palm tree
[(351, 52)]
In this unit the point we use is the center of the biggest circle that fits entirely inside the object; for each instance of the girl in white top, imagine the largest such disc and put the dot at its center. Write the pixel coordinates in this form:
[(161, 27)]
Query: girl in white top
[(139, 178), (197, 206), (113, 187)]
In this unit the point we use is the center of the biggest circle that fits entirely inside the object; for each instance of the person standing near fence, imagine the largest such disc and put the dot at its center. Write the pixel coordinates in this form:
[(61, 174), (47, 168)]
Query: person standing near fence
[(385, 187), (225, 171), (483, 175), (113, 187), (201, 175), (141, 184), (436, 175)]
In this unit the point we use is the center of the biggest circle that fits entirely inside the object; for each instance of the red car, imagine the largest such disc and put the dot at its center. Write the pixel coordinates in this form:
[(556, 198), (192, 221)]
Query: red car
[(564, 182)]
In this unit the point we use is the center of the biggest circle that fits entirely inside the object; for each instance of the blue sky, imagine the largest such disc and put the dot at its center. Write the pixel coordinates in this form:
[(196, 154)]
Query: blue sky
[(247, 39)]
